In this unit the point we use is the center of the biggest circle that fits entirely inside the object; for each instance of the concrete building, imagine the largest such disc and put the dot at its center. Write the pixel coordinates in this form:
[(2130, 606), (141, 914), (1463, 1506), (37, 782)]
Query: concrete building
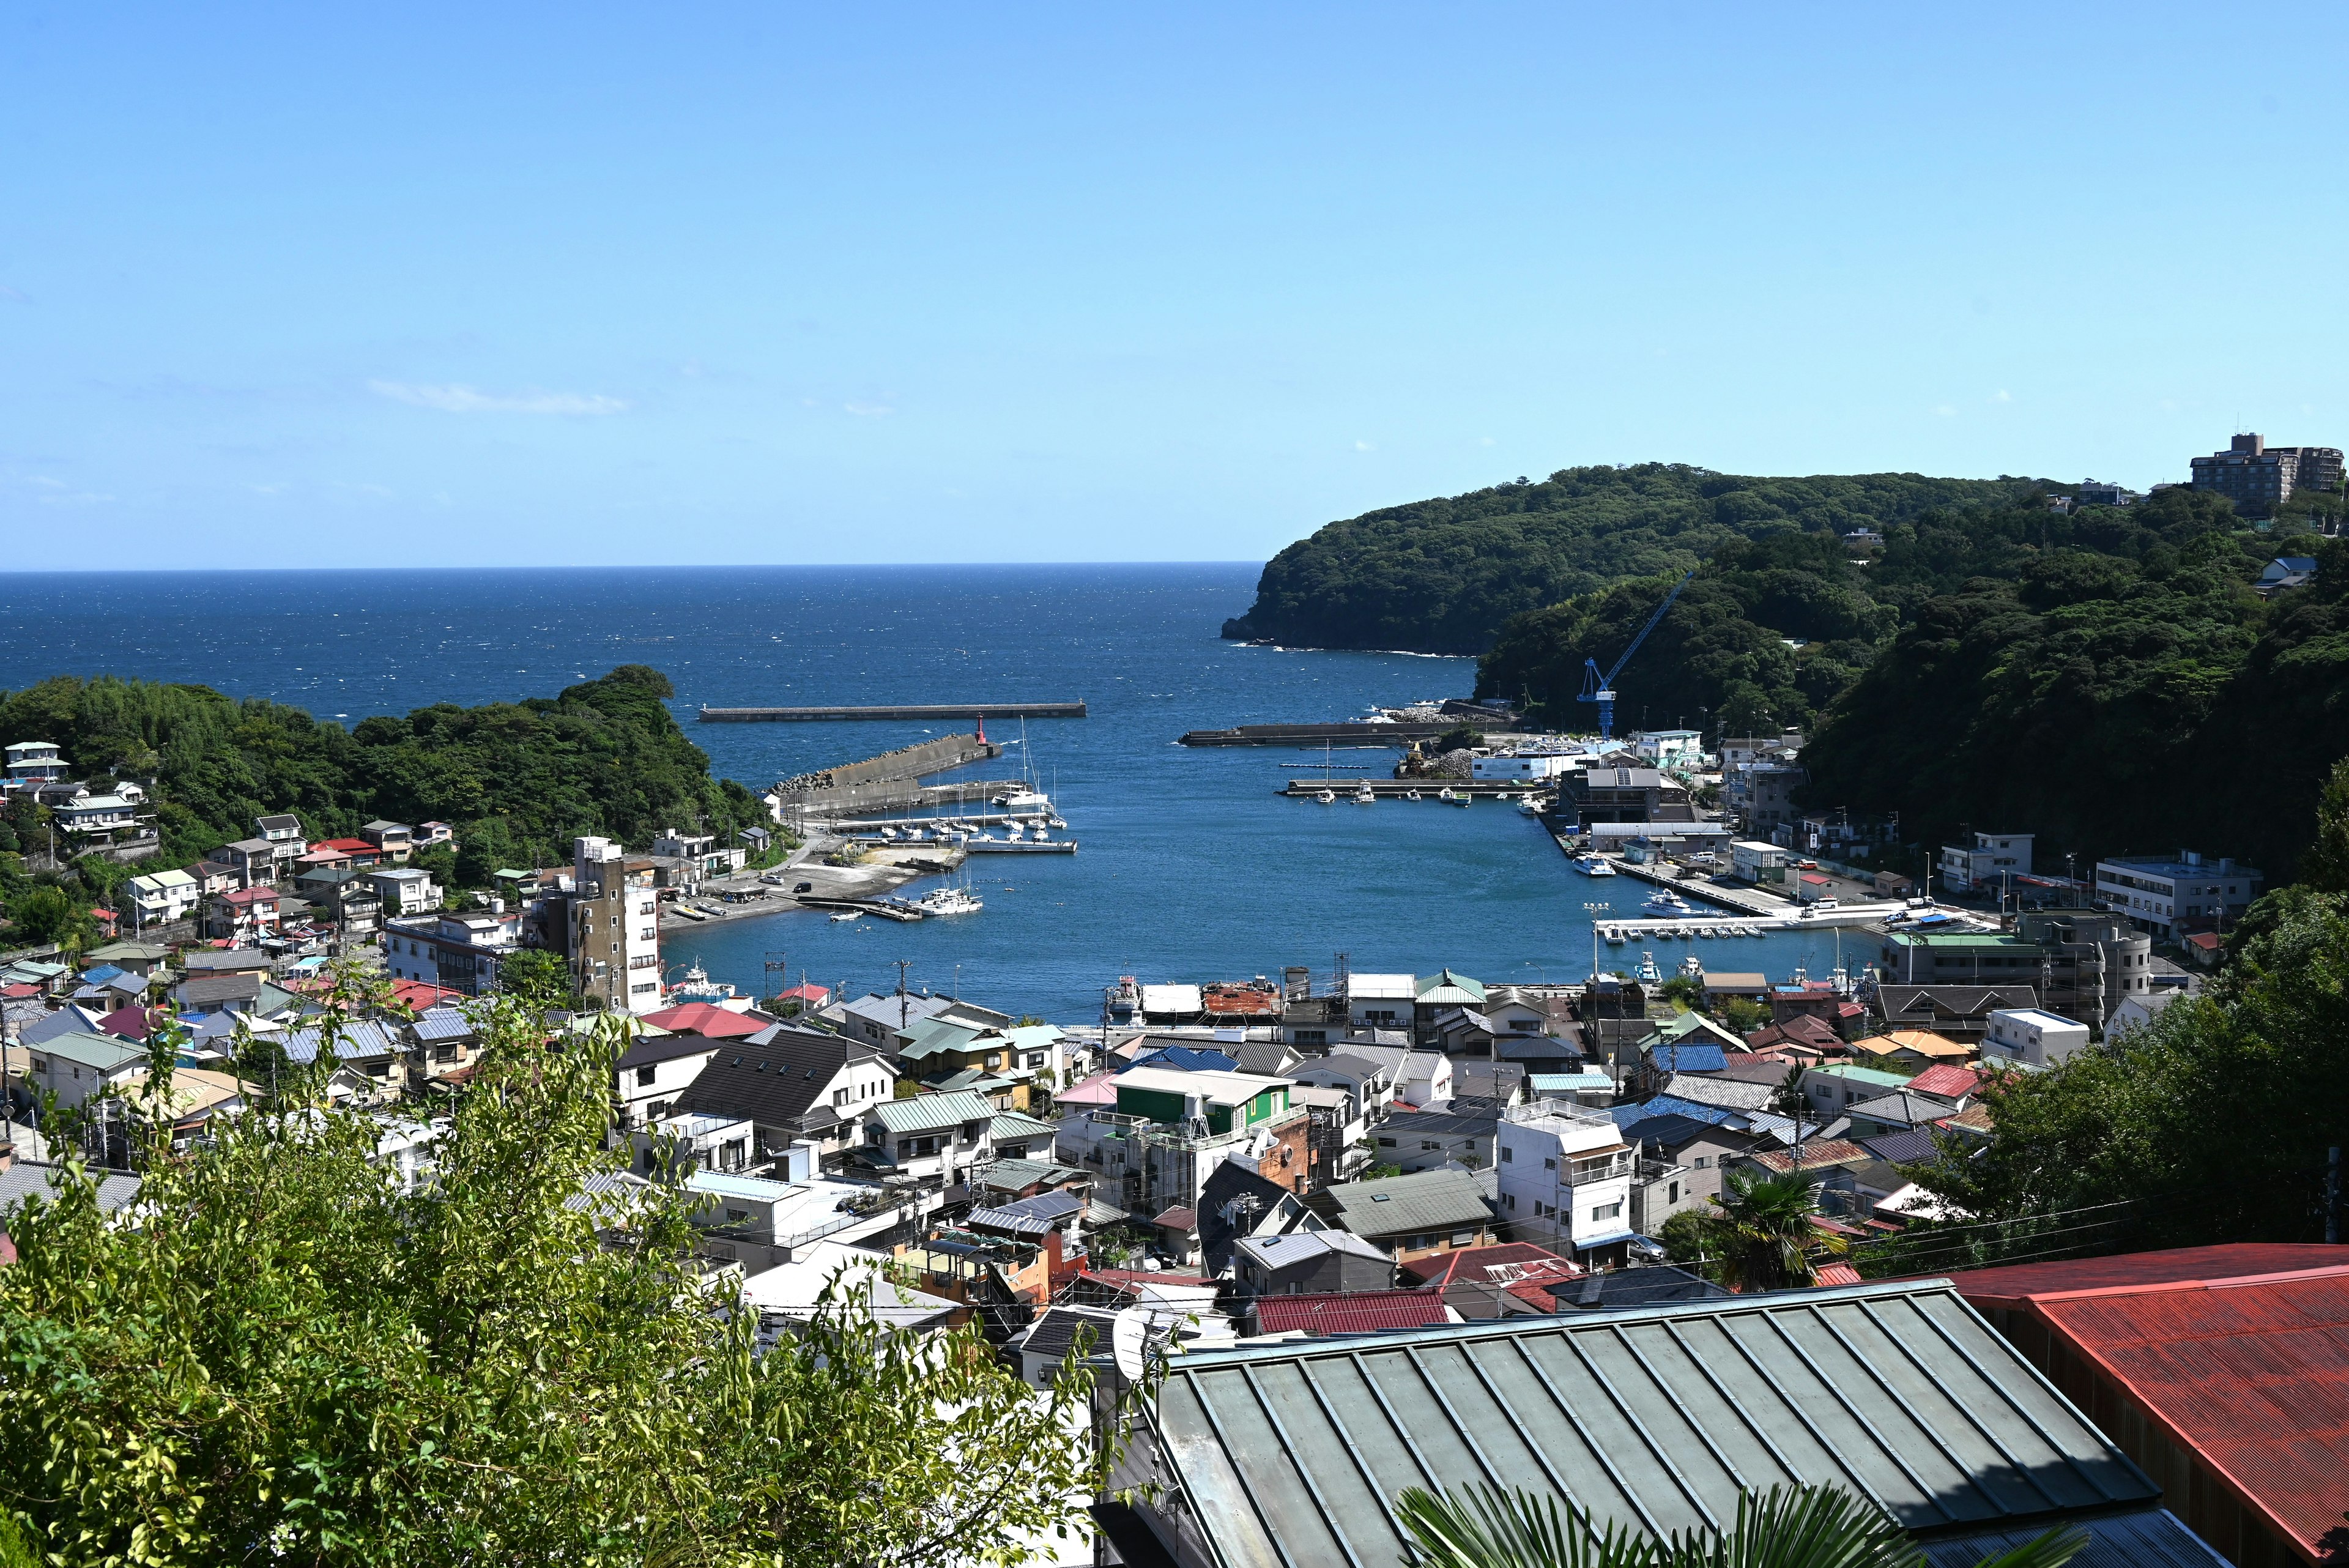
[(1621, 795), (1565, 1178), (1762, 794), (1987, 864), (615, 924), (1526, 764), (405, 891), (161, 897), (2258, 478), (2033, 1037), (1170, 1130), (2077, 964), (460, 952), (1670, 748), (2175, 896)]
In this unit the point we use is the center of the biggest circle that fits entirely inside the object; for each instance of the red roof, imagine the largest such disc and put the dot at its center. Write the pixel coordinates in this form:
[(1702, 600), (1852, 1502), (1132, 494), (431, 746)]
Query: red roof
[(418, 995), (2178, 1265), (2208, 941), (251, 896), (21, 990), (1518, 1267), (1354, 1312), (1946, 1080), (349, 846), (1835, 1274), (709, 1023), (2252, 1374), (1178, 1219), (810, 995)]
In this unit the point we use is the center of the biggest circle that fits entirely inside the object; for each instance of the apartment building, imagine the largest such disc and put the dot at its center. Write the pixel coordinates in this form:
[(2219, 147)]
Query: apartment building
[(2172, 898), (615, 927), (1987, 864), (1566, 1178), (2258, 478)]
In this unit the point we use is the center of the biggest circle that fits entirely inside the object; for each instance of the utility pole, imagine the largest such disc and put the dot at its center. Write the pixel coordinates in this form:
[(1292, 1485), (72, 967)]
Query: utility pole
[(902, 1003), (2333, 1196)]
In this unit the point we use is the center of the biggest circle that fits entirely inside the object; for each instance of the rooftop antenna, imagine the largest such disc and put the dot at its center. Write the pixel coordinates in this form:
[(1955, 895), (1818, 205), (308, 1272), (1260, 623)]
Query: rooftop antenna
[(903, 1004)]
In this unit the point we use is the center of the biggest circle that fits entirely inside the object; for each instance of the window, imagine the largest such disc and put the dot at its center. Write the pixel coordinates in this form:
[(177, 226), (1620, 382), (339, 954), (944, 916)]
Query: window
[(1673, 1193), (1421, 1241), (1463, 1238), (1606, 1211), (840, 1096), (645, 1076), (1549, 1165), (1386, 1143), (1509, 1199), (1508, 1155), (737, 1216), (1427, 1142), (1703, 1162)]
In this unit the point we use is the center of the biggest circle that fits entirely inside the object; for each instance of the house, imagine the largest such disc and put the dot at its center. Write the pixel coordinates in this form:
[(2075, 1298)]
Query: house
[(1987, 864), (1382, 1000), (32, 764), (708, 1020), (1897, 1393), (1425, 1078), (1430, 1141), (1834, 1087), (1565, 1178), (1236, 1202), (136, 958), (1346, 1312), (1959, 1013), (1369, 1085), (1310, 1262), (701, 853), (1016, 1065), (1043, 1345), (1947, 1082), (358, 852), (936, 1138), (2218, 1369), (1502, 1083), (788, 1295), (877, 1018), (673, 1147), (1812, 1036), (1678, 1165), (373, 1054), (1443, 993), (1908, 1048), (406, 890), (2033, 1037), (78, 1065), (202, 994), (162, 899), (460, 952), (393, 841), (1509, 1279), (791, 1084), (1169, 1130), (282, 833), (346, 897), (1266, 1058), (654, 1073), (443, 1041), (243, 914), (1412, 1216), (1903, 1110), (2285, 571)]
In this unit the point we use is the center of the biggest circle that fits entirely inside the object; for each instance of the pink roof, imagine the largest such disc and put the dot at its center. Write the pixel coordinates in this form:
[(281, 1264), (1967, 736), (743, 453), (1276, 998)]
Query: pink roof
[(129, 1022), (709, 1023), (1101, 1089), (251, 896), (812, 994)]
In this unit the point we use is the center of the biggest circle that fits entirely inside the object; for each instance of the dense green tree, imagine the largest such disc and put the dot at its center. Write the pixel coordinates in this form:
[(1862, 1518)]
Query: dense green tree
[(1442, 575), (284, 1356), (536, 977)]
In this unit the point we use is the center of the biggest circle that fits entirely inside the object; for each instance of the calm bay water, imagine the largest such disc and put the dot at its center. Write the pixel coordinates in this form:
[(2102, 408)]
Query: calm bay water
[(1192, 868)]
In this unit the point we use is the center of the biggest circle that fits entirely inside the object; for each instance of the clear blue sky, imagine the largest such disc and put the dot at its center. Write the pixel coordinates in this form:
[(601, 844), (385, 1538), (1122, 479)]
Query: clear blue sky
[(531, 284)]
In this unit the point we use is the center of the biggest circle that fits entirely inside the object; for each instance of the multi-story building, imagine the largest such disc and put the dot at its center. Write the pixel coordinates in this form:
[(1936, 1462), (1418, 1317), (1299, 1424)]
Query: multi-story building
[(2258, 478), (160, 897), (32, 764), (1762, 795), (404, 889), (1670, 748), (1170, 1130), (2080, 963), (614, 925), (1987, 864), (2175, 896), (2033, 1037), (1530, 763), (459, 951), (1607, 794), (1566, 1177)]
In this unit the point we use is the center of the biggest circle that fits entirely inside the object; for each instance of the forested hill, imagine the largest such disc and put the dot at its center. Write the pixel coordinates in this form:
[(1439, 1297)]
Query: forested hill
[(1442, 575), (516, 780)]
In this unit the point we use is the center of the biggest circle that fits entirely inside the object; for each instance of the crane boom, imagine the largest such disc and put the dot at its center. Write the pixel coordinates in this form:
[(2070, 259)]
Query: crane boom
[(1601, 688)]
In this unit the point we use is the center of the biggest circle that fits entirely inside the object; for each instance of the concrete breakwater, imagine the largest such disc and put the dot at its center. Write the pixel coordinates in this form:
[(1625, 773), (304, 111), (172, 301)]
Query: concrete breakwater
[(1349, 734), (917, 761)]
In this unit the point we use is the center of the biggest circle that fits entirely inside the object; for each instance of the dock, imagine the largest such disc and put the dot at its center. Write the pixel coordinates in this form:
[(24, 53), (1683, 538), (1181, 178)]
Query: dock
[(1022, 846), (1402, 789), (1346, 733), (881, 908), (893, 711)]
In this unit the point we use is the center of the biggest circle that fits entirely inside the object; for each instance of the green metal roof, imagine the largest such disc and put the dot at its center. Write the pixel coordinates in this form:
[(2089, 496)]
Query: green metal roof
[(1445, 989), (1960, 940), (1862, 1075), (933, 1112), (1292, 1456), (1424, 1202)]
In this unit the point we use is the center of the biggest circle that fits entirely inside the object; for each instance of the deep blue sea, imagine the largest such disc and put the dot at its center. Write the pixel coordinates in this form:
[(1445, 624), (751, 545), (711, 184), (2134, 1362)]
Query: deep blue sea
[(1192, 868)]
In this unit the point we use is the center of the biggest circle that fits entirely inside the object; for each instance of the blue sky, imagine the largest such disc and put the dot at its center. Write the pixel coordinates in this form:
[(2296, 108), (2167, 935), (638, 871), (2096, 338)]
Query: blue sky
[(526, 284)]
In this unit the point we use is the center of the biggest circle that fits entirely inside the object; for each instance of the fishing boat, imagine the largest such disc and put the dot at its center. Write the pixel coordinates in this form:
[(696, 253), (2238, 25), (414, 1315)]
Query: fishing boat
[(1464, 798), (1595, 865), (1326, 797), (1668, 905), (889, 834), (1648, 971), (949, 901), (697, 986), (1614, 935), (1705, 931), (1444, 794), (1693, 967), (1530, 805), (1410, 794), (1365, 797)]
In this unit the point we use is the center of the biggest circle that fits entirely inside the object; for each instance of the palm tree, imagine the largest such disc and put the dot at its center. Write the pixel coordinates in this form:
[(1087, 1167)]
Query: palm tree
[(1786, 1527), (1767, 1232)]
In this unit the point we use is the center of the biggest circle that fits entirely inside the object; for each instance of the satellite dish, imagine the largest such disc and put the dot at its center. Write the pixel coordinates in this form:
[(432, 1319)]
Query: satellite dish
[(1129, 1336)]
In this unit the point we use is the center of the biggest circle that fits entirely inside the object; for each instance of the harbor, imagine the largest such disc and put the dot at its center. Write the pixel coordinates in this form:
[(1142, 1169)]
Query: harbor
[(1447, 790)]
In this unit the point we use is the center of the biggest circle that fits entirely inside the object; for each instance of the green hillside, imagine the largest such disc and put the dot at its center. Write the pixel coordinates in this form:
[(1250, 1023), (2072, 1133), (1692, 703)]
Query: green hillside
[(1444, 575)]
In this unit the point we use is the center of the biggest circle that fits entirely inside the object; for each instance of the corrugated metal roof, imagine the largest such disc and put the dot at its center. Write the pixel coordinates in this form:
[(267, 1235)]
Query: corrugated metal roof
[(2229, 1261), (928, 1112), (1426, 1201), (2253, 1374), (1349, 1312), (1292, 1456), (2144, 1538)]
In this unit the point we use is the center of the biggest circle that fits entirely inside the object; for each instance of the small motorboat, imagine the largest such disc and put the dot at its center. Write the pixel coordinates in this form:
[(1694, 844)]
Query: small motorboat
[(1594, 866), (1327, 798), (1410, 794), (840, 915), (1705, 931), (1444, 794), (1365, 797), (1614, 935), (1670, 906), (1464, 798)]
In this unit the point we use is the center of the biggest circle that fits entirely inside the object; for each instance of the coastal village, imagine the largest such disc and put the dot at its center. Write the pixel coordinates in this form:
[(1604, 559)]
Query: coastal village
[(1347, 1219)]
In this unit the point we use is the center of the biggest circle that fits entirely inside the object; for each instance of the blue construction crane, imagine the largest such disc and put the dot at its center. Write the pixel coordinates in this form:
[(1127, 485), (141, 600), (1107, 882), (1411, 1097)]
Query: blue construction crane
[(1601, 688)]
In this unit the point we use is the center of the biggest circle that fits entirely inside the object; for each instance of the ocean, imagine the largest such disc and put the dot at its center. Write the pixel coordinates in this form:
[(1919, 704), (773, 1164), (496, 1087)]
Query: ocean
[(1191, 866)]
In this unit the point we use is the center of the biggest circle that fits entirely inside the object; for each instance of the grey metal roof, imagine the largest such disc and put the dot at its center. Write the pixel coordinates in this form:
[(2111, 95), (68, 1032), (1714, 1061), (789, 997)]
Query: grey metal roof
[(2144, 1538), (358, 1039), (1426, 1201), (933, 1112), (28, 1178), (443, 1023), (1291, 1456)]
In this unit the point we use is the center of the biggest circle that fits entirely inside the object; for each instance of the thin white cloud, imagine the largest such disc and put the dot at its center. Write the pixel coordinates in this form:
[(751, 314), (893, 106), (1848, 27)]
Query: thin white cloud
[(2001, 396), (458, 399), (1945, 410), (868, 410), (1365, 446)]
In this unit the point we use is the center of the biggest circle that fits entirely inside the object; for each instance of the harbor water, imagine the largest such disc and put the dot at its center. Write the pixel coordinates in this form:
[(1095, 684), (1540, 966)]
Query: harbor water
[(1192, 867)]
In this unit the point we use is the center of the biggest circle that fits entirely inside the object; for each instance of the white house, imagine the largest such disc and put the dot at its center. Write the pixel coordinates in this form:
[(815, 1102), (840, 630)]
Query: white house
[(1527, 765), (405, 891), (1382, 1000), (1565, 1175), (2032, 1036), (2167, 897), (1670, 748), (76, 1066), (32, 764), (161, 898), (460, 951), (1986, 863), (941, 1136), (1426, 1077)]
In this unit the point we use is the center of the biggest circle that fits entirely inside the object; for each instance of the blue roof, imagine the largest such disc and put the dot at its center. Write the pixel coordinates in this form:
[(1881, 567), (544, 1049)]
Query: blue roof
[(1692, 1056), (101, 975), (1673, 1105), (1183, 1059)]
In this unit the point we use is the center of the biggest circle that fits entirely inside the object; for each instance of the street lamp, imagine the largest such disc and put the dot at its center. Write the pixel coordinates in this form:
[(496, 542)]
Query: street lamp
[(1594, 912)]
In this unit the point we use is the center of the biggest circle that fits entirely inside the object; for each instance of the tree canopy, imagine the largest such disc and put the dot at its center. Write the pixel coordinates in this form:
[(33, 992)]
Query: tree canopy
[(283, 1354), (1442, 575), (516, 780)]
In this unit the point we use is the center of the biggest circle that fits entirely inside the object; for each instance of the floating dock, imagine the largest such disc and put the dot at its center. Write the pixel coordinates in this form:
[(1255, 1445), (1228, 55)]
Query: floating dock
[(882, 909), (1024, 846), (1347, 732), (1402, 789), (895, 710)]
